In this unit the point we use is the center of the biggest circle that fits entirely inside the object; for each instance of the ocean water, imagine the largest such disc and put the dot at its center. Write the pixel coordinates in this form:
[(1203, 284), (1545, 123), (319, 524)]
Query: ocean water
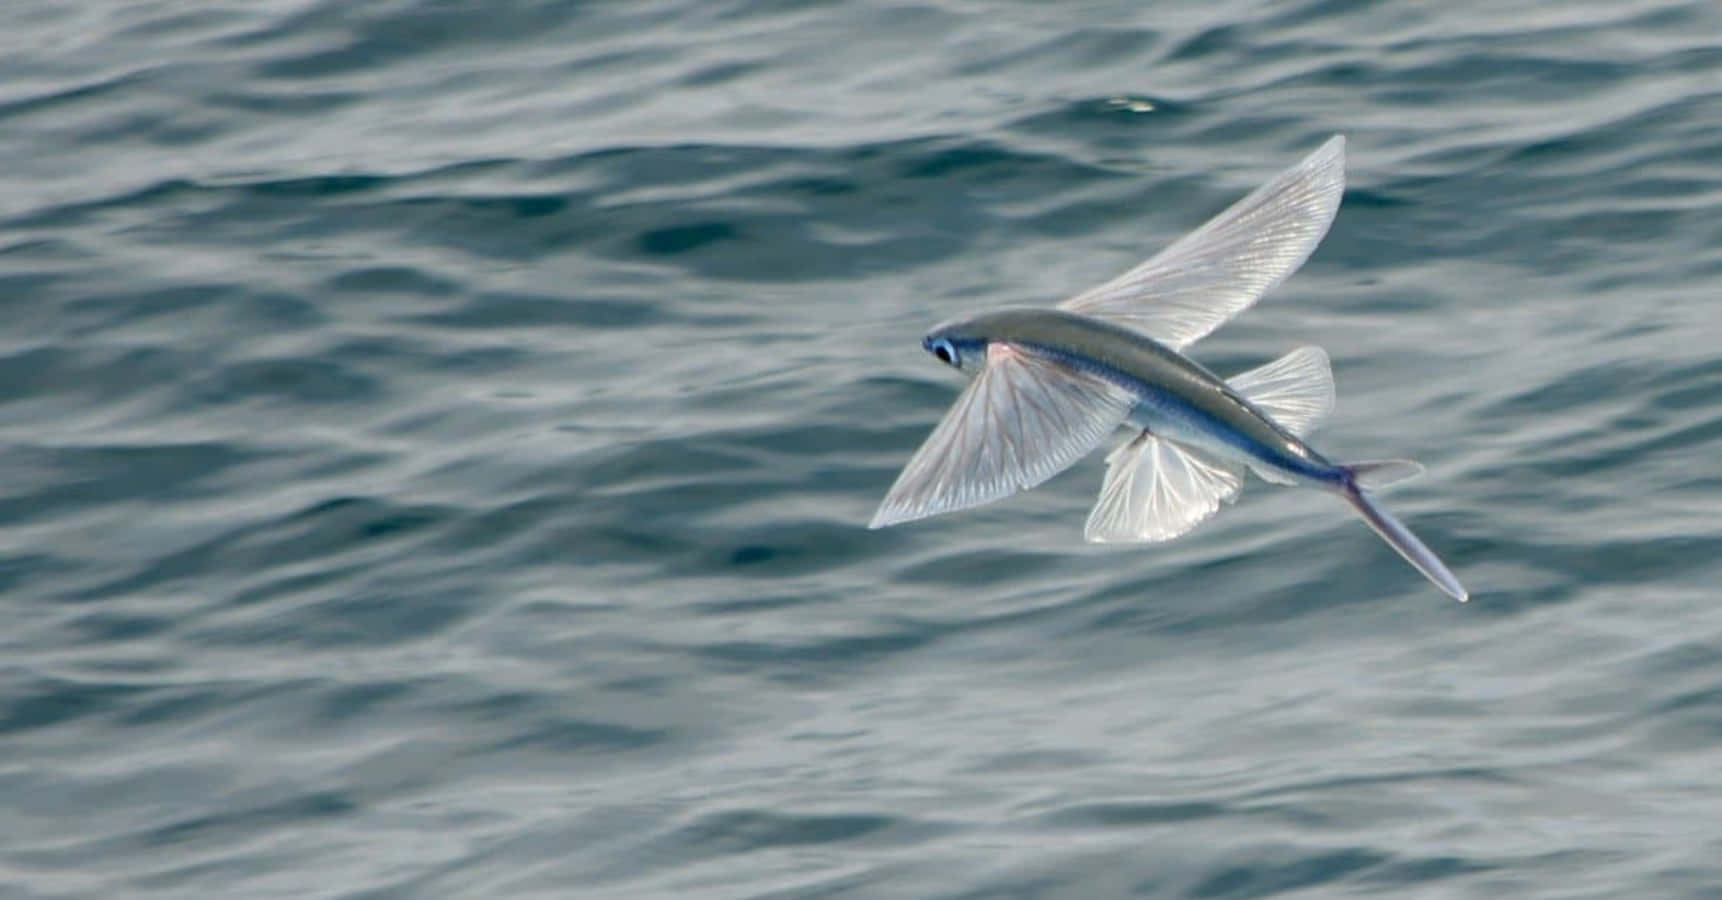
[(437, 439)]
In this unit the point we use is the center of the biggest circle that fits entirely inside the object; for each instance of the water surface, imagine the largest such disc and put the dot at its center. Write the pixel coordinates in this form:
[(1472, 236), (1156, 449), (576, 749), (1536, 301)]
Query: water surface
[(437, 443)]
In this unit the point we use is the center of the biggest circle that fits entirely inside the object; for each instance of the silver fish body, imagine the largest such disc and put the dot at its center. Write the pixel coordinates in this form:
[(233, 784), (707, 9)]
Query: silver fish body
[(1176, 398), (1051, 384)]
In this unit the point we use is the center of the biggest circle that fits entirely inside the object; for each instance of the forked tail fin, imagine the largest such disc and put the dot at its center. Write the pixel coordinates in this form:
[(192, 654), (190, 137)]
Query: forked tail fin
[(1401, 539)]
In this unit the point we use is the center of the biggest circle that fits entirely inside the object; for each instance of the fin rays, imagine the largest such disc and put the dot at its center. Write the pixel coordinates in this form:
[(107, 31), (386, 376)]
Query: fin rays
[(1156, 490), (1024, 419), (1295, 390), (1219, 270)]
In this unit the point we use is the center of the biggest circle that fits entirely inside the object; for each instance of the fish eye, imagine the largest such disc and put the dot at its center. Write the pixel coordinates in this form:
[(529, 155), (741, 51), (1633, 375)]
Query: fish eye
[(945, 351)]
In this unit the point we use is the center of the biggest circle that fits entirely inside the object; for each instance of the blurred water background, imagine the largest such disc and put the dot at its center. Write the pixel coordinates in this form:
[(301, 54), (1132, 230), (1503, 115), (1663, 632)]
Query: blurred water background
[(437, 439)]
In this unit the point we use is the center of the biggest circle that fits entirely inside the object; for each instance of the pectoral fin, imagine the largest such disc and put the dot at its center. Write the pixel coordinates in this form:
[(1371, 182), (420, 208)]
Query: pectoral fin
[(1024, 419), (1217, 271)]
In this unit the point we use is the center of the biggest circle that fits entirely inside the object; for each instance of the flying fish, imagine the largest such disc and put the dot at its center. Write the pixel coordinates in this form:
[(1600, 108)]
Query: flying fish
[(1050, 385)]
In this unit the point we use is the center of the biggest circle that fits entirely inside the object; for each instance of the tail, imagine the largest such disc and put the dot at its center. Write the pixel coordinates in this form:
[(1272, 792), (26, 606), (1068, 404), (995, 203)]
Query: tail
[(1392, 530)]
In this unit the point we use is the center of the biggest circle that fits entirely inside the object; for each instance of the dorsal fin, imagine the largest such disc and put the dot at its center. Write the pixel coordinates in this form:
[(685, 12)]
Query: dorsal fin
[(1295, 390)]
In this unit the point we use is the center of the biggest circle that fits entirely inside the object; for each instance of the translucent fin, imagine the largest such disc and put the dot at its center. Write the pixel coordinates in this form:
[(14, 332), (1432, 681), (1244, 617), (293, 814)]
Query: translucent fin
[(1401, 539), (1379, 473), (1217, 271), (1271, 476), (1155, 490), (1295, 390), (1024, 419)]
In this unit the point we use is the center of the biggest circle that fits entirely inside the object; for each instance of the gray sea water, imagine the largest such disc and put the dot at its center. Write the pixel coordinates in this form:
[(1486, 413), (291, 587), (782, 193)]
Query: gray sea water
[(437, 438)]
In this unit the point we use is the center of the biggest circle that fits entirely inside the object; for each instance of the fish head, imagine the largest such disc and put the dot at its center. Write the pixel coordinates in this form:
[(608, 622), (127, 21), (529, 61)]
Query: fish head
[(957, 343)]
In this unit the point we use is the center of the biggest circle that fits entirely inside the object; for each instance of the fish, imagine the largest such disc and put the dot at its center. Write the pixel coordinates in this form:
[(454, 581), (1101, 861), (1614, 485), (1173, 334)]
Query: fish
[(1049, 385)]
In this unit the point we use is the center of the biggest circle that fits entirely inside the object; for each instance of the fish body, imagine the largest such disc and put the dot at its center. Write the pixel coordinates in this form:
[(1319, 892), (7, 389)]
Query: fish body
[(1176, 398), (1051, 384)]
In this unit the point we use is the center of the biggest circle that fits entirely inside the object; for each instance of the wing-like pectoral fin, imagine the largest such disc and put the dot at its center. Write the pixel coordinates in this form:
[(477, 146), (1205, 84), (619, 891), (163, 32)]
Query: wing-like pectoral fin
[(1024, 419), (1215, 272), (1156, 490)]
